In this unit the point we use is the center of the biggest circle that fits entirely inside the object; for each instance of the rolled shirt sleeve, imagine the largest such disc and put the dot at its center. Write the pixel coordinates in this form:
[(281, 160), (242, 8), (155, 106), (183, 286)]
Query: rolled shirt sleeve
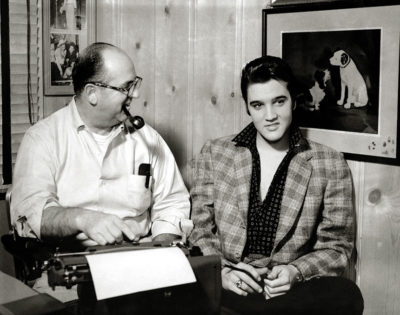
[(34, 188)]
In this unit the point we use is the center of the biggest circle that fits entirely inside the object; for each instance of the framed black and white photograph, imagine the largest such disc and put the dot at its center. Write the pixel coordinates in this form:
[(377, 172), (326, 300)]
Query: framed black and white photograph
[(348, 84), (68, 27)]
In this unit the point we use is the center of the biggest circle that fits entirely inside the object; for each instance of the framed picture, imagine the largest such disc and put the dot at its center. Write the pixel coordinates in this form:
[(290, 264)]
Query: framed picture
[(345, 58), (68, 27)]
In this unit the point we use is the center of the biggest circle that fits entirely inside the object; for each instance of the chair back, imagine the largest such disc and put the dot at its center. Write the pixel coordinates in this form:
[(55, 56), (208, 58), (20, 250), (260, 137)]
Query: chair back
[(8, 207)]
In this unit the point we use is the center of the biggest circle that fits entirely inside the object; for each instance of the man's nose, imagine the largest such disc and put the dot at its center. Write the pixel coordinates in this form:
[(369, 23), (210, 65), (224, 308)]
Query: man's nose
[(135, 94), (130, 97), (269, 113)]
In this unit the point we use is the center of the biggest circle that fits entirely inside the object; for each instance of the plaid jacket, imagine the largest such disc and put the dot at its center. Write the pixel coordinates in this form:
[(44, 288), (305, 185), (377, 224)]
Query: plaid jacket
[(315, 231)]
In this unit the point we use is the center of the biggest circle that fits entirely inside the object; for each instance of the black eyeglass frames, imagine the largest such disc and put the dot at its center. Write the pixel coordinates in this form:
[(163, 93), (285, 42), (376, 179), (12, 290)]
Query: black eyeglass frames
[(128, 91)]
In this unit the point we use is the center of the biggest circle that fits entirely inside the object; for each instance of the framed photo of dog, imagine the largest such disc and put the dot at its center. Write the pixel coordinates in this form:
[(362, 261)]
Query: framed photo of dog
[(345, 57), (68, 27)]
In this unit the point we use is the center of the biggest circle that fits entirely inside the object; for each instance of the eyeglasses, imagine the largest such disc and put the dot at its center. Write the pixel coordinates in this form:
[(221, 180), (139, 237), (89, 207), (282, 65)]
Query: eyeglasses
[(135, 85)]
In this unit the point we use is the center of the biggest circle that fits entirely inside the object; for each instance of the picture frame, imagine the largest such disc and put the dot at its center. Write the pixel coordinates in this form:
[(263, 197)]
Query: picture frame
[(346, 46), (68, 27)]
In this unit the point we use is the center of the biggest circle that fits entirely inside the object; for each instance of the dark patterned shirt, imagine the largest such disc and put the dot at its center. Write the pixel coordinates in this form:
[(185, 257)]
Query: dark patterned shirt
[(263, 216)]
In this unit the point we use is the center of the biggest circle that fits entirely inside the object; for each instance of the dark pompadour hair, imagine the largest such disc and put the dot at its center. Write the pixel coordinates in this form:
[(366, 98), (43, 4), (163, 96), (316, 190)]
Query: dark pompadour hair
[(267, 68), (89, 66)]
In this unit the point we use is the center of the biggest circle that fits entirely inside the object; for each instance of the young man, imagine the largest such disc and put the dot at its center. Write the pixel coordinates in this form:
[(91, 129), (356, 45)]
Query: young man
[(276, 207)]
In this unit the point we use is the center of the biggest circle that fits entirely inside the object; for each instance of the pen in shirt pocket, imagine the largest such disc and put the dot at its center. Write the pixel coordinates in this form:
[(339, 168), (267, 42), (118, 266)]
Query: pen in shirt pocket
[(144, 170)]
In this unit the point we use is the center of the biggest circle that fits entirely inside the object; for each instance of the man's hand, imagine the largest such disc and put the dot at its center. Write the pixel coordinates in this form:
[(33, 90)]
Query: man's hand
[(243, 281), (280, 280), (100, 228)]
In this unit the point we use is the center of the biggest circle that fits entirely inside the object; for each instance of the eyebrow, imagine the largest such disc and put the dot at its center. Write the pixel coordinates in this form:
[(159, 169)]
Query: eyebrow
[(255, 102), (274, 99), (279, 97)]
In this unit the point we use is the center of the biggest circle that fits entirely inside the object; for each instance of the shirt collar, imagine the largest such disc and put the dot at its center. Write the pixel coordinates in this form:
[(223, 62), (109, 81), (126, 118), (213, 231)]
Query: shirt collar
[(247, 138), (77, 120)]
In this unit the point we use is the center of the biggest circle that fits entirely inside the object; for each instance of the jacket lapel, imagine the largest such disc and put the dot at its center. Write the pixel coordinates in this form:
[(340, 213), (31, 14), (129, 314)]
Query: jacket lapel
[(243, 169), (299, 174)]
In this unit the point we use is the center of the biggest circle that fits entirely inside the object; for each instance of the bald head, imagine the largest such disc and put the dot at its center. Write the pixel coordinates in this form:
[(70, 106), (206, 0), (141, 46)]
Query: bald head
[(94, 64), (115, 63)]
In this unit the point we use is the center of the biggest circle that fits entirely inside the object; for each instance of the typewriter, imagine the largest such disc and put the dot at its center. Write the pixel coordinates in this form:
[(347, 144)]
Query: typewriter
[(66, 265), (67, 268)]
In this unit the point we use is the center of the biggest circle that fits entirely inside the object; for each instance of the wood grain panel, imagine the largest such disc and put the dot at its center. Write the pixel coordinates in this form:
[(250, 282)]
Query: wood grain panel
[(251, 40), (172, 75), (357, 172), (215, 102), (380, 244), (131, 26), (108, 21)]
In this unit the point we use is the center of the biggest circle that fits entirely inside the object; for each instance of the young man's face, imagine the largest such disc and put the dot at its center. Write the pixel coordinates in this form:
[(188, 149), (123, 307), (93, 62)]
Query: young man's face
[(270, 107)]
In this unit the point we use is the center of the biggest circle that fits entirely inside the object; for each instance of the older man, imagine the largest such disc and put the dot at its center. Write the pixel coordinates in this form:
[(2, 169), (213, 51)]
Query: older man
[(83, 173)]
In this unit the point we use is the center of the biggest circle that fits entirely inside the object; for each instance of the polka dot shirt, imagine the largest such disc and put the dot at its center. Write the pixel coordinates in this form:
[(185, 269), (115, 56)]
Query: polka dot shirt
[(263, 215)]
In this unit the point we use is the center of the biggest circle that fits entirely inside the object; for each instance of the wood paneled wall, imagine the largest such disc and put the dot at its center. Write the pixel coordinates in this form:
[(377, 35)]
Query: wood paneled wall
[(190, 54), (379, 239)]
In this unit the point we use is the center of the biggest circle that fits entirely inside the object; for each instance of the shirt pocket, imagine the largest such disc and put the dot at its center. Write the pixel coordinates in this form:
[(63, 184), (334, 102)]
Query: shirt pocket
[(139, 192), (125, 196)]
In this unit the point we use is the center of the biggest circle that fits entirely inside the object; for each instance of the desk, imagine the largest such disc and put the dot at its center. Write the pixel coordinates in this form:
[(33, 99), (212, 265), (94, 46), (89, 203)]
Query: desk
[(16, 298), (12, 289)]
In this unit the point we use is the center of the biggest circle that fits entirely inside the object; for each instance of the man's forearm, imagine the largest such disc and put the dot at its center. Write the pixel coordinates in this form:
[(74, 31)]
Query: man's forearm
[(99, 227), (60, 222)]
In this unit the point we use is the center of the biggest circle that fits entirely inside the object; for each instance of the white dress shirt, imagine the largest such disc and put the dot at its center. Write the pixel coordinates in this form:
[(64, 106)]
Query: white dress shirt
[(60, 163)]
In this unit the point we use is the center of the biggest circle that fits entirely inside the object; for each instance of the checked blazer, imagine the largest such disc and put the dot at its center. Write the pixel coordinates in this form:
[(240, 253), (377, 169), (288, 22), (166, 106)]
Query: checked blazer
[(315, 231)]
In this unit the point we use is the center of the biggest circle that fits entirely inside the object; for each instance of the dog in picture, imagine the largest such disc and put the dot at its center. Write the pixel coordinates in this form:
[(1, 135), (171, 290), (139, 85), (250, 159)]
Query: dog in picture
[(317, 92), (351, 79)]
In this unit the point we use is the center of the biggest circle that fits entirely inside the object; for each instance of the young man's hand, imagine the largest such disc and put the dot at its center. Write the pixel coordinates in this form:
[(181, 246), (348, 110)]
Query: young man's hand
[(280, 280), (243, 278)]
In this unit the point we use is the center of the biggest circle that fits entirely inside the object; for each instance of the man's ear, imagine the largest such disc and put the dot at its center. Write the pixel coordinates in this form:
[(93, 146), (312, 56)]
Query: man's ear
[(91, 94)]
